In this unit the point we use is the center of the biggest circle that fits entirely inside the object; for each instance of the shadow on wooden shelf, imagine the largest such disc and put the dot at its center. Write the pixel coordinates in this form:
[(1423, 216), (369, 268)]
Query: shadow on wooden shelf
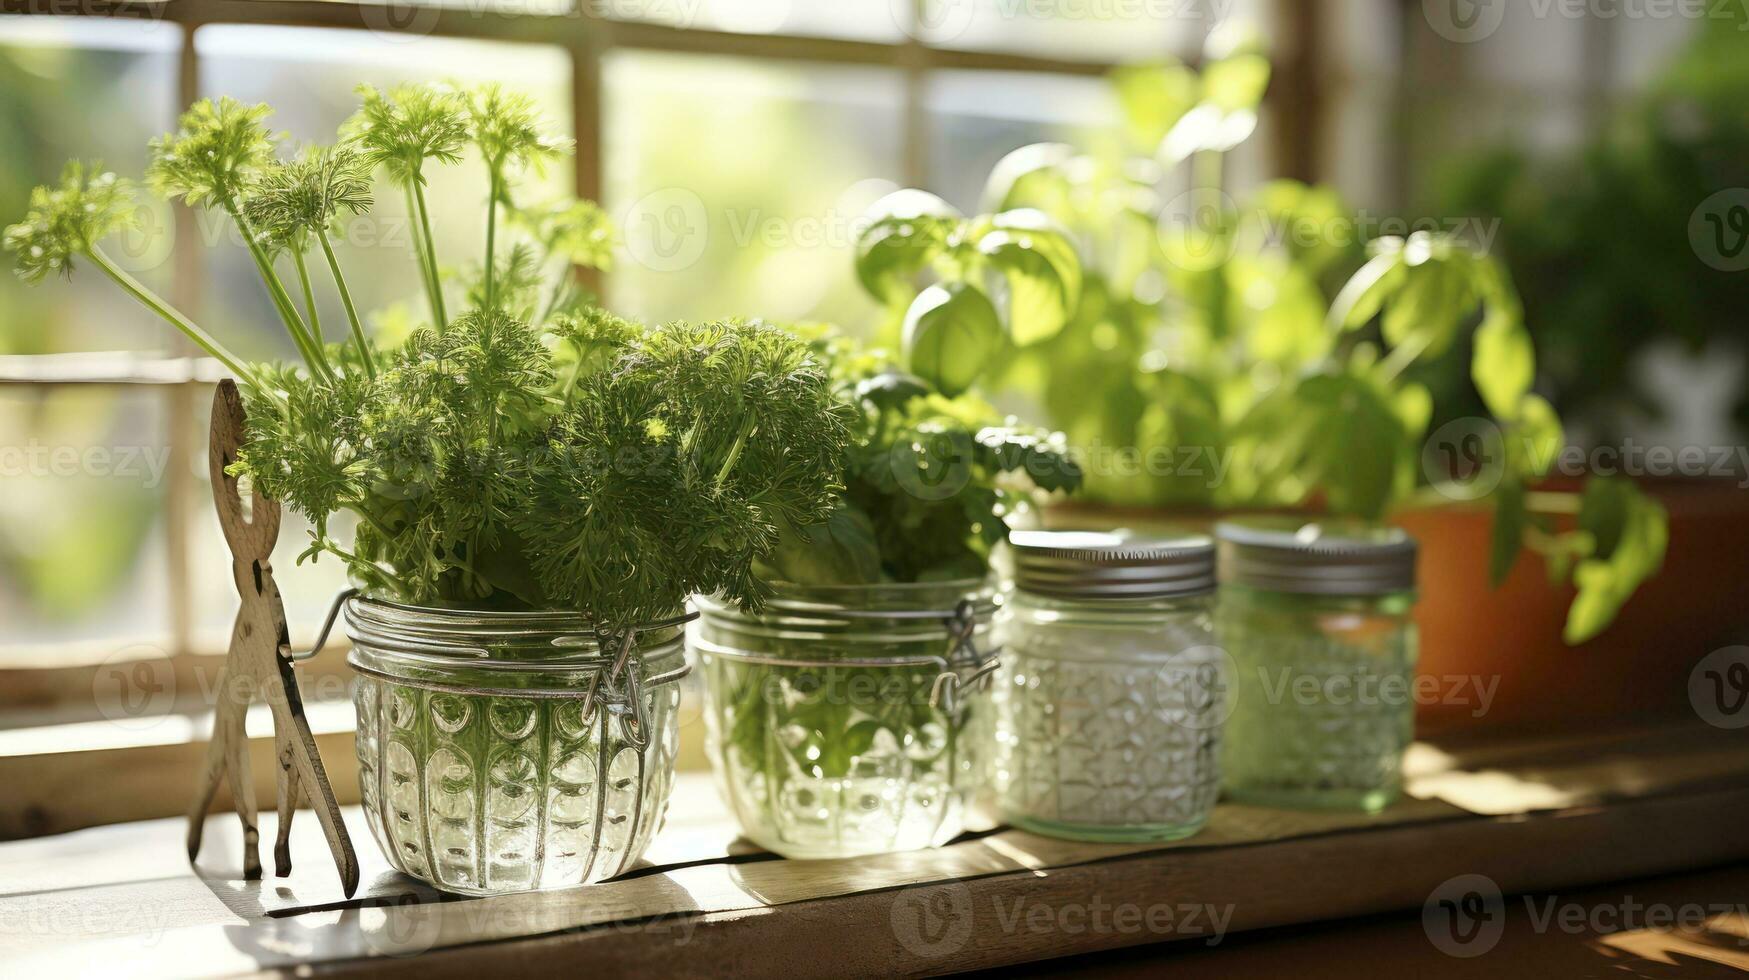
[(1529, 815)]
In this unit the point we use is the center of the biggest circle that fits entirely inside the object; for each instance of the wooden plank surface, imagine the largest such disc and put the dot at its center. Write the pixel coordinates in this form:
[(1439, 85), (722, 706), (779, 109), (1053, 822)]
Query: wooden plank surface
[(1543, 814)]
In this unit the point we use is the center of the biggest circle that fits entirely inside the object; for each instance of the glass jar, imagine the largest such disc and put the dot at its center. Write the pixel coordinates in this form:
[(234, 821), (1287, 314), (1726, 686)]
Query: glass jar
[(849, 720), (512, 751), (1112, 690), (1317, 619)]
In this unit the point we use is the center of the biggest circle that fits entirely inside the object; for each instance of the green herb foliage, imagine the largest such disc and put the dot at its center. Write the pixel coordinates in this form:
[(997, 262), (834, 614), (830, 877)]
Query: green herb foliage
[(533, 451), (930, 482), (1253, 347)]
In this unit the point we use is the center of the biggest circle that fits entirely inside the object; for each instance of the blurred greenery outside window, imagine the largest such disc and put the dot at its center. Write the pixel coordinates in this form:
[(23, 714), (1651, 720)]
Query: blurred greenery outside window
[(738, 181)]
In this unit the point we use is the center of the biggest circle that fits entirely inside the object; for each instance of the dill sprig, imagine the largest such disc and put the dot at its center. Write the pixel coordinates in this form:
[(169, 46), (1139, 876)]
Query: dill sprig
[(213, 160), (506, 128), (577, 462), (295, 202), (400, 132), (69, 220)]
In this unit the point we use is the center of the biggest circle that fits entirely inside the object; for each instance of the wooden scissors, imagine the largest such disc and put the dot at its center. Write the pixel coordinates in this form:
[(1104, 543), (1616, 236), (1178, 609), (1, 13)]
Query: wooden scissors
[(259, 665)]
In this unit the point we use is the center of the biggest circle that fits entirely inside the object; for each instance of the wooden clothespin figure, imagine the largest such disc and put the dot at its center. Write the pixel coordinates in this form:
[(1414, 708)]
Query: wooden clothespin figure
[(260, 666)]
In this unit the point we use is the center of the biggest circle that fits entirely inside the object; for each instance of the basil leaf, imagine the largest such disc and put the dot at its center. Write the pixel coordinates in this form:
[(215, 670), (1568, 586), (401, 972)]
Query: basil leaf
[(1632, 532), (905, 230), (1042, 271), (1508, 533), (1503, 364), (951, 331)]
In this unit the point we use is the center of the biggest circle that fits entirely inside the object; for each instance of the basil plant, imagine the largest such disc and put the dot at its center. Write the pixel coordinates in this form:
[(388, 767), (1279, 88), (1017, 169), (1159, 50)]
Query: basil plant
[(1199, 352)]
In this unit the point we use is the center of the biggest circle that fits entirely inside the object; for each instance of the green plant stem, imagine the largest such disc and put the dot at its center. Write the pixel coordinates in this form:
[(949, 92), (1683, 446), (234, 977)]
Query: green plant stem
[(315, 319), (1401, 356), (1547, 502), (734, 453), (156, 304), (370, 368), (437, 309), (491, 229), (288, 313)]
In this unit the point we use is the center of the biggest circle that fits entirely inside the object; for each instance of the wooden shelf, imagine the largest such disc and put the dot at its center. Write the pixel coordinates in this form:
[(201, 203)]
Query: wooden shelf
[(1529, 814)]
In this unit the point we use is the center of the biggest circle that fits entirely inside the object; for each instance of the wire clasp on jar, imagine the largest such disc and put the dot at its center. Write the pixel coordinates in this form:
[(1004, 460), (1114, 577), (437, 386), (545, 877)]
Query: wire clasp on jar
[(966, 666), (622, 694)]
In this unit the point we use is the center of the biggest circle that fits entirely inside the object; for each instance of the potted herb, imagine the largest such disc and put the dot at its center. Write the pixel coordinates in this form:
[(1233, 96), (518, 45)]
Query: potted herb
[(538, 483), (850, 716), (1230, 358)]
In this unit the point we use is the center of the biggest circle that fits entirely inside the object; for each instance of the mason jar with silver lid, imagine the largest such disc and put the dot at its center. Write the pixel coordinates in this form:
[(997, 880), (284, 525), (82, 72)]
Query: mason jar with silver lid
[(1112, 690), (1317, 619)]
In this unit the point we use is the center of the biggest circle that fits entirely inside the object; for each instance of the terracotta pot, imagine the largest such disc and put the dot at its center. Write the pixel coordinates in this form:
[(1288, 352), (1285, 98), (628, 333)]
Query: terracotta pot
[(1509, 639)]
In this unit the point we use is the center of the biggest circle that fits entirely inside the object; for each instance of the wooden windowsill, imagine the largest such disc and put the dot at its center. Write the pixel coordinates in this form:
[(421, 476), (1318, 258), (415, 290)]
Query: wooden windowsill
[(1528, 814)]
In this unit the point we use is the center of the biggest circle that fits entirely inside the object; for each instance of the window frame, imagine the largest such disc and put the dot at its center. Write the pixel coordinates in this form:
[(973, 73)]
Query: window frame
[(586, 38)]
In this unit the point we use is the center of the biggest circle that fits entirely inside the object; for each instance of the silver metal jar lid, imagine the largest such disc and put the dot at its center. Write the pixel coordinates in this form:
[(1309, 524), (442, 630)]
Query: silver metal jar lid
[(1329, 558), (1101, 565)]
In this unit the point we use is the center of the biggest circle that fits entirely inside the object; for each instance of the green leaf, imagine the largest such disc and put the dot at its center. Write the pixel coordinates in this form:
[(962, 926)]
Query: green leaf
[(1534, 438), (1031, 176), (841, 551), (1434, 298), (1356, 446), (1504, 363), (1153, 97), (1365, 292), (1236, 83), (1632, 533), (951, 332), (1508, 534), (905, 230), (1043, 273)]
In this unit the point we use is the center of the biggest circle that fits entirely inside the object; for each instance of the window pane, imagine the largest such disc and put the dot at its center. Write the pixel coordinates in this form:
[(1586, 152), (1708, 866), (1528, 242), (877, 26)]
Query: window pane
[(82, 477), (738, 184), (977, 117), (861, 20), (309, 77), (307, 589), (95, 90), (1086, 30)]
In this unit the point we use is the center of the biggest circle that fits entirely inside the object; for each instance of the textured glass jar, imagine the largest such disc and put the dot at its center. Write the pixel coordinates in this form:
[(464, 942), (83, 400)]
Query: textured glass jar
[(1317, 619), (849, 720), (1112, 690), (502, 752)]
